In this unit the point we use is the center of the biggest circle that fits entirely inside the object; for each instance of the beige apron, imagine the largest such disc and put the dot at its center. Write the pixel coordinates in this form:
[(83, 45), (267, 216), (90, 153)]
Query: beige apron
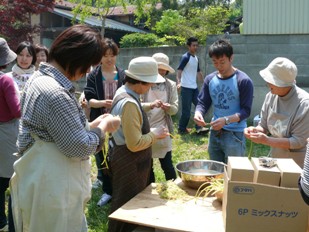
[(49, 190), (279, 127), (161, 147)]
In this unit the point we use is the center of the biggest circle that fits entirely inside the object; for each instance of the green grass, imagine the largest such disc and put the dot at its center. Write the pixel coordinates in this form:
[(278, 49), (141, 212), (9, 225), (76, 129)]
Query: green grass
[(185, 147)]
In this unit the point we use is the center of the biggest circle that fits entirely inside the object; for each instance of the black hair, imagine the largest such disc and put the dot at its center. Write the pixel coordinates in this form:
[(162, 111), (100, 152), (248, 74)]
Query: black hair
[(191, 40), (3, 67), (30, 49), (77, 49), (219, 48), (110, 44), (40, 47), (133, 81)]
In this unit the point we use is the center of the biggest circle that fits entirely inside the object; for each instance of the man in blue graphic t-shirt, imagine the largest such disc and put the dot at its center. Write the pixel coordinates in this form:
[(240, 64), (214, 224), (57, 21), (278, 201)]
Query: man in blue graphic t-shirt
[(230, 92)]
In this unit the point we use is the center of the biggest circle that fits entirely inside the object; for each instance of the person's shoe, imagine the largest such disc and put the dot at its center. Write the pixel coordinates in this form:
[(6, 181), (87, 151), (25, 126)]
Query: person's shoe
[(202, 131), (186, 131), (104, 200), (5, 228), (97, 184)]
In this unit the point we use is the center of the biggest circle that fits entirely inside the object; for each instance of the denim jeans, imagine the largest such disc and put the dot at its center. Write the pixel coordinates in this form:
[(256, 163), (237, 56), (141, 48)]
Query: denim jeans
[(167, 167), (188, 96), (223, 144), (102, 176)]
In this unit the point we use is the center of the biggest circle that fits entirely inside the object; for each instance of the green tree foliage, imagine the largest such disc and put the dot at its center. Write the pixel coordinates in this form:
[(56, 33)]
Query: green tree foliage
[(174, 29), (198, 22), (169, 23), (236, 9), (88, 8), (169, 4), (189, 4), (139, 40), (144, 10)]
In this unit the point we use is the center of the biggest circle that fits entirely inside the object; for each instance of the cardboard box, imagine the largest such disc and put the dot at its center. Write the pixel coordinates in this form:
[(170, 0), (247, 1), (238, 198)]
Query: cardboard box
[(258, 207), (240, 169), (265, 175), (290, 172)]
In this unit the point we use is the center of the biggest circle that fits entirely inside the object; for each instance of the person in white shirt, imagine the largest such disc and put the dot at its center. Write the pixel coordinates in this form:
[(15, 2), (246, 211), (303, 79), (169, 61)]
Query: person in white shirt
[(187, 72)]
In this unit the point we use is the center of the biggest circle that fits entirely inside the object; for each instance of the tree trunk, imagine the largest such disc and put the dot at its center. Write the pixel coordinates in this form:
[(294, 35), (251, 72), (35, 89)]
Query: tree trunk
[(103, 26)]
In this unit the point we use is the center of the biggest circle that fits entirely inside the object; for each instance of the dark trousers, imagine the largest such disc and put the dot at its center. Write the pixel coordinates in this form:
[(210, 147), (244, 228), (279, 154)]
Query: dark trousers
[(167, 167), (188, 96), (4, 184), (102, 175)]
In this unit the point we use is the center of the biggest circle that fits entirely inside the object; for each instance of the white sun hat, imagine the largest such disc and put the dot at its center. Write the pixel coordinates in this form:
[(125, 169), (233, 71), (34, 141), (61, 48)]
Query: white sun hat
[(144, 69), (163, 62), (281, 72)]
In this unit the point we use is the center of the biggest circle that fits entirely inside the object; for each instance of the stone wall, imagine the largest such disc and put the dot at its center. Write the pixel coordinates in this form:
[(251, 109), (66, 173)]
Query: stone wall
[(252, 53)]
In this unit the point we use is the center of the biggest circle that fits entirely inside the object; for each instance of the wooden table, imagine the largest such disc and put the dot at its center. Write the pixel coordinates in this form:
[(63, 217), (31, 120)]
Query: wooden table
[(148, 209)]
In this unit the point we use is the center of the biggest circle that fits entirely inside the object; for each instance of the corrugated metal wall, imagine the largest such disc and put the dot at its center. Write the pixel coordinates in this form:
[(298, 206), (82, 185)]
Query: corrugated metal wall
[(276, 16)]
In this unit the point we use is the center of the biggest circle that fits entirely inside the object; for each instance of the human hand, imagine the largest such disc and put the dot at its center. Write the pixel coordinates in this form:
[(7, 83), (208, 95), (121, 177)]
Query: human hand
[(160, 132), (249, 130), (165, 106), (218, 124), (97, 121), (199, 119), (84, 103), (109, 123), (156, 104), (107, 103), (257, 137)]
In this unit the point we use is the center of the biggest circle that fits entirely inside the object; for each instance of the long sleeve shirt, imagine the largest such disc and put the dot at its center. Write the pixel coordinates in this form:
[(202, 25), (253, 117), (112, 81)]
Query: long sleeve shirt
[(9, 99), (287, 117), (51, 111), (228, 96), (130, 131)]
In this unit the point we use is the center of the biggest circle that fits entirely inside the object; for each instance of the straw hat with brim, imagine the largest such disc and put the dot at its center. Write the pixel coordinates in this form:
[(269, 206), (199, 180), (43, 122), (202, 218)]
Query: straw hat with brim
[(6, 54), (144, 69), (281, 72), (163, 62)]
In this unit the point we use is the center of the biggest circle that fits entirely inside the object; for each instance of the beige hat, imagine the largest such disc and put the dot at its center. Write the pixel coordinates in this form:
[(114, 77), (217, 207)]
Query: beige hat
[(144, 69), (281, 72), (163, 62), (6, 54)]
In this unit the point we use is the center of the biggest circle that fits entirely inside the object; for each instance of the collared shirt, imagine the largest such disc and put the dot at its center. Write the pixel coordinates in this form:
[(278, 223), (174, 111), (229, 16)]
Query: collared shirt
[(51, 112)]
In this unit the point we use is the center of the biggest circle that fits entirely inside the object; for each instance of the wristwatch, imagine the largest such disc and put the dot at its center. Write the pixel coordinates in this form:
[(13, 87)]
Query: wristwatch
[(227, 121)]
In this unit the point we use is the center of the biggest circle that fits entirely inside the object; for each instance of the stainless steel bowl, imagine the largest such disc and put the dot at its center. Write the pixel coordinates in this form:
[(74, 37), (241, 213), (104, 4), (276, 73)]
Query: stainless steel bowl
[(194, 173)]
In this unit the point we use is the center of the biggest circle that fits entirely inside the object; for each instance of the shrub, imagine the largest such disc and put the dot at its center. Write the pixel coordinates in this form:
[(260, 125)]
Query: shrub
[(139, 40)]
